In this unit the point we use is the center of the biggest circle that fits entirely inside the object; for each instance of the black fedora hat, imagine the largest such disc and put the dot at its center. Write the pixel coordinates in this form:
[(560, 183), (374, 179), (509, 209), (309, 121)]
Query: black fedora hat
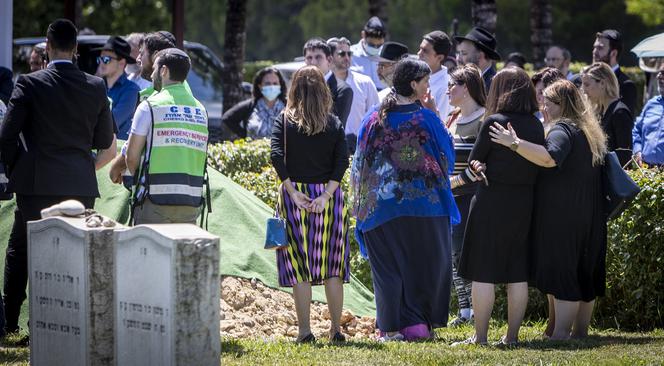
[(391, 52), (483, 39), (120, 46)]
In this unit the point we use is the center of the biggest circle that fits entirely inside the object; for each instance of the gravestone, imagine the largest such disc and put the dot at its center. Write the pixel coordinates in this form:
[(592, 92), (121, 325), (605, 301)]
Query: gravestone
[(71, 292), (167, 296)]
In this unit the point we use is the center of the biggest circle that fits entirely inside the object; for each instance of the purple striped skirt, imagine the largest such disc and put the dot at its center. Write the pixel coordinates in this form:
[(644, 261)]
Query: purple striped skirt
[(318, 246)]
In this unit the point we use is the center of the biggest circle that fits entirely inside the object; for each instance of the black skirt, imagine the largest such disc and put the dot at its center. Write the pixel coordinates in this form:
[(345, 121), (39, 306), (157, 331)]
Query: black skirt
[(496, 244), (411, 266)]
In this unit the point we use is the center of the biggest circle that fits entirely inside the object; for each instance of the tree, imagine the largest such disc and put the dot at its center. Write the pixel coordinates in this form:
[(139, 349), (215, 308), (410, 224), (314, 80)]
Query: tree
[(650, 11), (484, 14), (541, 34), (234, 43)]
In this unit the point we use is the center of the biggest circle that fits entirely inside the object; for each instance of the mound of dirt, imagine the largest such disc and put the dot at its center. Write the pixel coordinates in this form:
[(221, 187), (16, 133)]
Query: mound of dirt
[(250, 309)]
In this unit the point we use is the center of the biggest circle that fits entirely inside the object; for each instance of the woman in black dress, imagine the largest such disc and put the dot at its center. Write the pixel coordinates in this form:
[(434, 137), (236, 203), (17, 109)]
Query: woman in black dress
[(496, 245), (569, 227), (601, 86)]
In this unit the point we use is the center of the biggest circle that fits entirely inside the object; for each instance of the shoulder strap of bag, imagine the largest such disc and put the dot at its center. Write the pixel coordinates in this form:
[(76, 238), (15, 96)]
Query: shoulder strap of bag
[(143, 167)]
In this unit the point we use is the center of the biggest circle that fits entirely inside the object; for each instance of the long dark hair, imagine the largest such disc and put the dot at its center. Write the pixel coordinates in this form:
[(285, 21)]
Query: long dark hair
[(511, 91), (405, 71), (258, 79)]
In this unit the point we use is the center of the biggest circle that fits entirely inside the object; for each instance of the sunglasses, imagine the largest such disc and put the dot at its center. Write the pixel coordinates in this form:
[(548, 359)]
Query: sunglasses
[(345, 53), (105, 59)]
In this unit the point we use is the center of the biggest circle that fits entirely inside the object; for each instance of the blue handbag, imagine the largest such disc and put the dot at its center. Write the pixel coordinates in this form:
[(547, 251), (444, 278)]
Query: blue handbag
[(275, 234), (619, 188)]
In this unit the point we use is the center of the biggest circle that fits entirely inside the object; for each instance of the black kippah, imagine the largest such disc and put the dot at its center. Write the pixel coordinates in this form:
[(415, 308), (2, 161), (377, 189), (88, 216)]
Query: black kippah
[(63, 29)]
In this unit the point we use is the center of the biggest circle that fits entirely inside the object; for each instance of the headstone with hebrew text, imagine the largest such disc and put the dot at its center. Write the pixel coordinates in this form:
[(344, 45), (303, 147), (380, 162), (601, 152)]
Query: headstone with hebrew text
[(71, 293), (167, 296)]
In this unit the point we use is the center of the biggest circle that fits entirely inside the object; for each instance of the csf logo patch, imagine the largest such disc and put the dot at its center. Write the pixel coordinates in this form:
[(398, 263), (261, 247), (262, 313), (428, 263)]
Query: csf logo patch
[(186, 110), (181, 114)]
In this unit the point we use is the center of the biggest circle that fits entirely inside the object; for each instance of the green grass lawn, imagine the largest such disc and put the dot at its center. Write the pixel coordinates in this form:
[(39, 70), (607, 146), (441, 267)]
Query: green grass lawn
[(602, 347)]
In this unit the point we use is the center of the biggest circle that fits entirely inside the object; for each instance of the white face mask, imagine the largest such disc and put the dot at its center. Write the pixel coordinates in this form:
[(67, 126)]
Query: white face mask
[(372, 51), (271, 92)]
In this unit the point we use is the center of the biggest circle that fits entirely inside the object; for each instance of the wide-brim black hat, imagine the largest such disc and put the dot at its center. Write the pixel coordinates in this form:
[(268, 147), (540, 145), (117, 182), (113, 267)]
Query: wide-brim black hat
[(120, 46), (483, 39), (391, 52)]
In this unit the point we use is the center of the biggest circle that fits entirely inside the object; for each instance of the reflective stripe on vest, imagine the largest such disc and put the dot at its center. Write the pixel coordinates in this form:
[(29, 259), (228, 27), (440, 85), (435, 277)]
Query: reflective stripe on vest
[(178, 150)]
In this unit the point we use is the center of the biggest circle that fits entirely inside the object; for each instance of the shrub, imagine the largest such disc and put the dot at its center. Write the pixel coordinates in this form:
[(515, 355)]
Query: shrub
[(635, 251), (635, 260)]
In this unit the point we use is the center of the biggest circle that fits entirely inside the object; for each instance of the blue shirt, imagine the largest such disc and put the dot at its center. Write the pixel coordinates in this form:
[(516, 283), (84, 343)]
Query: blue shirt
[(401, 168), (648, 132), (124, 94)]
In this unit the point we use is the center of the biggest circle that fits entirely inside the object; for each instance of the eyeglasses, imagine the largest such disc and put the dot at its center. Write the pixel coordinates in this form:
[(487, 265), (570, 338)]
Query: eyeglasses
[(105, 59), (344, 53), (552, 59)]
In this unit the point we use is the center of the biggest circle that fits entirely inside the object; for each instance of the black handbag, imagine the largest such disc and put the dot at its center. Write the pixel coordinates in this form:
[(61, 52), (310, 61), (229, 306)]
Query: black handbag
[(618, 187)]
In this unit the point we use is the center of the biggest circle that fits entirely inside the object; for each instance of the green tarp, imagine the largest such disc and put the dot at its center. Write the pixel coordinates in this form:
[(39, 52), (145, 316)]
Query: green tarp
[(237, 217)]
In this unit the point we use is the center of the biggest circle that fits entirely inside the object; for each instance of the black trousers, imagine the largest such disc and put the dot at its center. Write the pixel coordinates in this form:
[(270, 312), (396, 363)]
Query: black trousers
[(28, 208)]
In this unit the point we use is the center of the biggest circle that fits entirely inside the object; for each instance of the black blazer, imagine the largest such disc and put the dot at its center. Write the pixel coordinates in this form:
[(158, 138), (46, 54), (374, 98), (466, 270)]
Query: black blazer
[(627, 90), (236, 118), (342, 98), (617, 123), (63, 114), (488, 76)]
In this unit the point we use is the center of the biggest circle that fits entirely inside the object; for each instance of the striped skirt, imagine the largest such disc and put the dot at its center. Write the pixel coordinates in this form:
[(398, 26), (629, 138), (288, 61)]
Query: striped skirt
[(318, 246)]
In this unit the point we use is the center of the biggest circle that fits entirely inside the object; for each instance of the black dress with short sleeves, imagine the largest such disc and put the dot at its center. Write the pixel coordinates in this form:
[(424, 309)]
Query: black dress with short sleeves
[(569, 227)]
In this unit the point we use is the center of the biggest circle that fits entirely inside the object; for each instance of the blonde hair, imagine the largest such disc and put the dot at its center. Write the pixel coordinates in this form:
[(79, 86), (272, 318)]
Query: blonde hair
[(576, 110), (309, 100), (603, 74)]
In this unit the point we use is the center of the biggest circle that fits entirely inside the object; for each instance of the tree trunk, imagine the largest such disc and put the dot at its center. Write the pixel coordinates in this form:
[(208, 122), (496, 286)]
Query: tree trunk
[(541, 33), (484, 14), (234, 42), (378, 8)]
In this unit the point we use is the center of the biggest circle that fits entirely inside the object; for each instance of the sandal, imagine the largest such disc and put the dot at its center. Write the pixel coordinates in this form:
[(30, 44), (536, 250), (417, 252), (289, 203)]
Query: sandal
[(469, 341), (309, 338), (503, 344), (338, 338)]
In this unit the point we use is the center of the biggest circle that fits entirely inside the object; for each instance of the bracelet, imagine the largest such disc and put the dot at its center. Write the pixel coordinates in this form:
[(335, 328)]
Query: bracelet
[(327, 193)]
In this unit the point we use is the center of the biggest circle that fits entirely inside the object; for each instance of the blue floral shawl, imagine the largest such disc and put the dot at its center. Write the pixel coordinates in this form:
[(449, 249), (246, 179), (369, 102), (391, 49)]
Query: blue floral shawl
[(401, 168)]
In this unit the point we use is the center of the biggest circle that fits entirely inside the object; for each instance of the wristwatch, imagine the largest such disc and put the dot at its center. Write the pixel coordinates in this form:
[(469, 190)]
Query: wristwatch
[(515, 145)]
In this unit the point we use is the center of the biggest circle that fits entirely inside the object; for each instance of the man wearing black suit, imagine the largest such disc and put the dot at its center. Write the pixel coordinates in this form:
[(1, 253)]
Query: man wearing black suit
[(55, 118), (607, 48), (318, 53)]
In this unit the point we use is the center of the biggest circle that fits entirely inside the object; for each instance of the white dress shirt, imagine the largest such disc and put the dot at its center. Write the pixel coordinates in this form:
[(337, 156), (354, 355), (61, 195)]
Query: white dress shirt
[(365, 97), (438, 86)]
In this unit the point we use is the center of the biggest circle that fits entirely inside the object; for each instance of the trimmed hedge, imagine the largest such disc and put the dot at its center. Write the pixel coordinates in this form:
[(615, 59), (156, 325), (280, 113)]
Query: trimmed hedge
[(635, 252)]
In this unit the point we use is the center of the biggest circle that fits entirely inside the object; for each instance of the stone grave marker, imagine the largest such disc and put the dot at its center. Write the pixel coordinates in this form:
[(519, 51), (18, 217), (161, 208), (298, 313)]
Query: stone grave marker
[(167, 296), (71, 292)]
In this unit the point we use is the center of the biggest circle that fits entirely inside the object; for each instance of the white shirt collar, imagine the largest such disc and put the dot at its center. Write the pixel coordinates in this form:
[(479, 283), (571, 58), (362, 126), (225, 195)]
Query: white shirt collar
[(59, 62), (327, 76), (616, 67)]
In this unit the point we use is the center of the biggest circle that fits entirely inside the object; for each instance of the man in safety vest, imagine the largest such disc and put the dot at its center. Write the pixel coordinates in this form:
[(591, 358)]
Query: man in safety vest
[(167, 146)]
